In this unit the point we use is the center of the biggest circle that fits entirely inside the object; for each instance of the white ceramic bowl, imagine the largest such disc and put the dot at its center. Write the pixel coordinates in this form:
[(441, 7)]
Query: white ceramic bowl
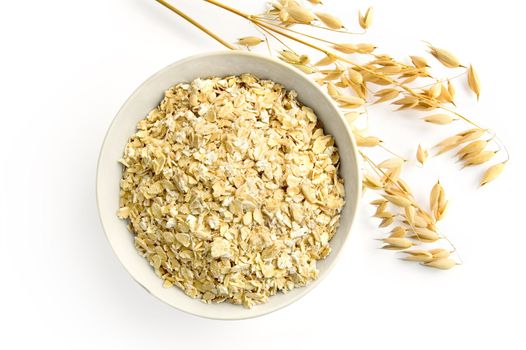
[(147, 97)]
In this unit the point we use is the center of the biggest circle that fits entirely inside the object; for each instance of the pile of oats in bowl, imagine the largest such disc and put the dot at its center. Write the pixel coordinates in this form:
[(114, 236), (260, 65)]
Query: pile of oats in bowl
[(231, 189)]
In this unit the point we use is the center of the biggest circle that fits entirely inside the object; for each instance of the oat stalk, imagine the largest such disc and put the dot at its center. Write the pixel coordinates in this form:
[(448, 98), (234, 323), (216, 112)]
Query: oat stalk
[(349, 84), (196, 24)]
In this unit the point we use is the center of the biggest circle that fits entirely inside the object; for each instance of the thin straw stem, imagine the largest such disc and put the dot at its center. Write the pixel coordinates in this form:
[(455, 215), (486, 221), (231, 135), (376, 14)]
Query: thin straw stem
[(195, 23)]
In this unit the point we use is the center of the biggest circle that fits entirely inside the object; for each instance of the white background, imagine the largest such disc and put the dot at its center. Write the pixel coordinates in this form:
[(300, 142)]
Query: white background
[(67, 66)]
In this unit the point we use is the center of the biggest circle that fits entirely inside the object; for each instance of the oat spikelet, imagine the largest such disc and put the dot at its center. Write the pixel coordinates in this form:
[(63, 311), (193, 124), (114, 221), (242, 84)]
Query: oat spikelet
[(249, 41), (372, 182), (381, 208), (419, 221), (391, 163), (333, 91), (367, 141), (452, 140), (418, 255), (354, 76), (398, 231), (472, 148), (305, 69), (442, 208), (445, 57), (378, 201), (284, 15), (471, 134), (443, 264), (492, 173), (300, 14), (439, 253), (445, 96), (365, 47), (425, 235), (349, 101), (419, 62), (437, 201), (448, 144), (325, 61), (451, 89), (386, 222), (315, 2), (473, 81), (366, 20), (409, 212), (401, 243), (346, 48), (480, 158), (436, 192), (440, 119), (398, 200), (289, 57), (386, 95), (458, 139), (329, 20), (384, 215), (421, 154)]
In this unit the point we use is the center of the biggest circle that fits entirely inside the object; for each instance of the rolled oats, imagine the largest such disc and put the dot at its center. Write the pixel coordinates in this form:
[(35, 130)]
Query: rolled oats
[(231, 189)]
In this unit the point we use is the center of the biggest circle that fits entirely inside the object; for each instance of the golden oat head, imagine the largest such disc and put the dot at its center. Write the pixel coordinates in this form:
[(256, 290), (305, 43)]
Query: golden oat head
[(439, 119), (325, 61), (471, 149), (398, 200), (346, 48), (391, 163), (479, 158), (419, 62), (474, 81), (329, 20), (492, 173), (398, 231), (439, 253), (249, 41), (398, 242), (300, 14), (445, 57), (366, 19), (367, 141), (442, 264), (421, 154)]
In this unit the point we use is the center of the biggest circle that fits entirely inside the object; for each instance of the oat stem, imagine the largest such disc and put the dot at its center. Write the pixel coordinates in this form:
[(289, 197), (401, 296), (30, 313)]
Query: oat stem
[(296, 31), (195, 23), (441, 80), (334, 30), (266, 41), (393, 153), (275, 37)]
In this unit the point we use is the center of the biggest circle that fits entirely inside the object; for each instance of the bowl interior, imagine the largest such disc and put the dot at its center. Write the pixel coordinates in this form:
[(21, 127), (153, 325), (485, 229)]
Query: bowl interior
[(147, 97)]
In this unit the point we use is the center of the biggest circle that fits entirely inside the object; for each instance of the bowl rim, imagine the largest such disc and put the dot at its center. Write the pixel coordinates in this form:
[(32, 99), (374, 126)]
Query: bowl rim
[(356, 201)]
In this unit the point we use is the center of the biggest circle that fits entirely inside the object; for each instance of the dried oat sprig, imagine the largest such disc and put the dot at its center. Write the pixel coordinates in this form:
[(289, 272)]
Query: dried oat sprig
[(433, 98), (415, 225), (354, 86)]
